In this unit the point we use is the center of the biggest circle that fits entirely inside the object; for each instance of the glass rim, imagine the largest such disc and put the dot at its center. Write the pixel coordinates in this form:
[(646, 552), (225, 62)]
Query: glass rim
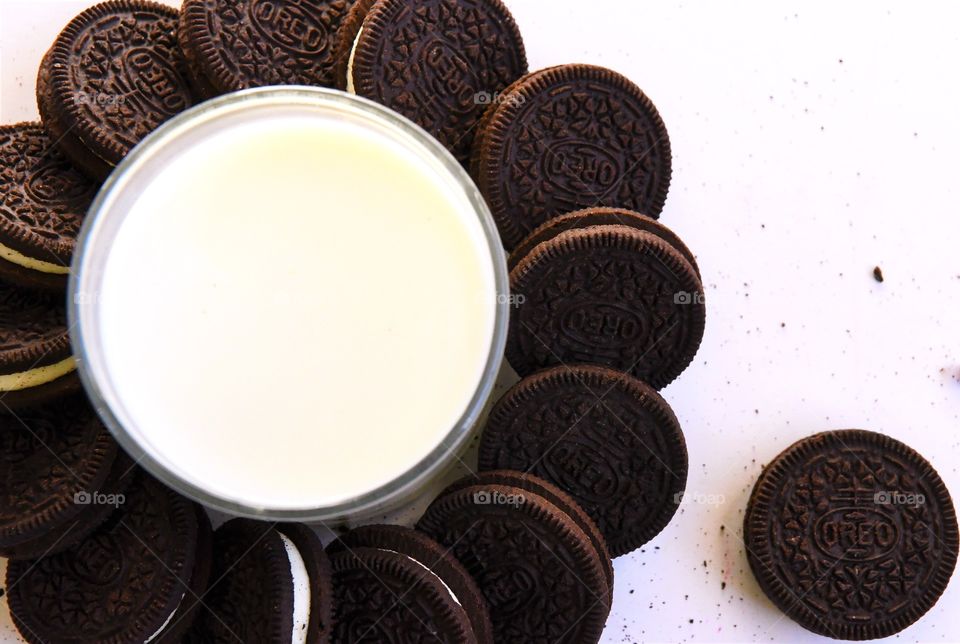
[(94, 376)]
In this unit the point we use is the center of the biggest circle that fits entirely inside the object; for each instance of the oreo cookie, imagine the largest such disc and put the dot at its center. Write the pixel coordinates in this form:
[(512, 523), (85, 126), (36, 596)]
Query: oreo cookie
[(385, 596), (135, 579), (567, 138), (852, 534), (346, 37), (440, 63), (43, 200), (113, 75), (610, 295), (232, 45), (607, 439), (599, 216), (55, 458), (272, 583), (553, 494), (540, 572), (433, 559), (36, 362)]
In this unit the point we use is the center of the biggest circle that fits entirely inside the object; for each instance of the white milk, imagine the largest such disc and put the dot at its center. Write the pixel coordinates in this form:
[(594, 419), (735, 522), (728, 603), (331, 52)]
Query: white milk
[(296, 310)]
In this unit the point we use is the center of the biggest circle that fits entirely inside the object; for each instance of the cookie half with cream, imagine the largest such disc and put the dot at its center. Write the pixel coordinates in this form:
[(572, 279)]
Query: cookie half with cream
[(43, 200), (272, 583), (36, 361)]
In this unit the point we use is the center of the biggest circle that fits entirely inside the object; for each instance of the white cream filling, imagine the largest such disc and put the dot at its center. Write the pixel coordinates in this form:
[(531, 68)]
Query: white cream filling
[(37, 376), (18, 258), (301, 592), (353, 54), (432, 574), (165, 623)]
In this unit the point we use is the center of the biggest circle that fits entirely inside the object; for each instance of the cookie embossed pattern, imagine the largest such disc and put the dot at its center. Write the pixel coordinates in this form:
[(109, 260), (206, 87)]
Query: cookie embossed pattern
[(231, 46)]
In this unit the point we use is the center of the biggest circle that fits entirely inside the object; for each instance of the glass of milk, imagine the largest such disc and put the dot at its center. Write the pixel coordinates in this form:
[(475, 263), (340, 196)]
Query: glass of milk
[(290, 303)]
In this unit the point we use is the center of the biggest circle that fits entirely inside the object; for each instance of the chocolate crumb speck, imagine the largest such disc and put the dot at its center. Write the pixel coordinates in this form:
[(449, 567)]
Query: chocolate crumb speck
[(723, 585), (877, 274)]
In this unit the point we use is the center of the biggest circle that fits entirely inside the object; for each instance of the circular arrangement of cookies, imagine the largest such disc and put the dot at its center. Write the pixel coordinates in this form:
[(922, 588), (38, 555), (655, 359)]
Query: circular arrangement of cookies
[(850, 533)]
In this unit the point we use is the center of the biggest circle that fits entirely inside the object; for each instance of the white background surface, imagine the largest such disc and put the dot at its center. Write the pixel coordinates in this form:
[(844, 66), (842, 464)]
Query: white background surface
[(812, 141)]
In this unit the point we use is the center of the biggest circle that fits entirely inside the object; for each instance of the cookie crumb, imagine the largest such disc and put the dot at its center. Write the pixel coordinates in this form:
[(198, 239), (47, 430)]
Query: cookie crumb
[(877, 274)]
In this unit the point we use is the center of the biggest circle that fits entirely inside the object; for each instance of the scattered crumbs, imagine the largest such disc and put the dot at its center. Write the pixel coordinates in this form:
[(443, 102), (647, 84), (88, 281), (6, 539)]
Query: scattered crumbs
[(691, 621), (722, 528), (723, 585), (704, 563), (685, 597), (783, 325), (631, 591), (877, 274), (841, 61)]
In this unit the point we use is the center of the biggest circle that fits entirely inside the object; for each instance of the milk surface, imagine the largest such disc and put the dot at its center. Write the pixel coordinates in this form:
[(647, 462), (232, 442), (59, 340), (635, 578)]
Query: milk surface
[(296, 310)]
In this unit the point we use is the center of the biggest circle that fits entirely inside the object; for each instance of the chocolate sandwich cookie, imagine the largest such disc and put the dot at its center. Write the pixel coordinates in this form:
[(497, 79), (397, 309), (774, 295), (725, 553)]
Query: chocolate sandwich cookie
[(135, 579), (55, 457), (346, 36), (384, 596), (566, 138), (541, 574), (604, 437), (43, 200), (600, 216), (112, 76), (36, 363), (553, 494), (609, 295), (272, 583), (238, 44), (440, 63), (434, 560), (852, 534)]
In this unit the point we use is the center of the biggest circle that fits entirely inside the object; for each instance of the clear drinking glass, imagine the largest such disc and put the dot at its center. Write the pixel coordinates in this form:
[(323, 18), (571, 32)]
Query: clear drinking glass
[(107, 215)]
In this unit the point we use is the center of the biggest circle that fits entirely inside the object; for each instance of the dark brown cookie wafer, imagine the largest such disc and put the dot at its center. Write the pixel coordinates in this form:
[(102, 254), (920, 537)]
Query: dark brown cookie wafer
[(852, 534), (54, 457), (440, 63), (604, 437), (553, 494), (608, 295), (123, 583), (251, 595), (36, 362), (75, 530), (182, 621), (507, 95), (346, 36), (239, 44), (43, 200), (539, 571), (434, 558), (385, 596), (572, 137), (113, 76), (599, 217)]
